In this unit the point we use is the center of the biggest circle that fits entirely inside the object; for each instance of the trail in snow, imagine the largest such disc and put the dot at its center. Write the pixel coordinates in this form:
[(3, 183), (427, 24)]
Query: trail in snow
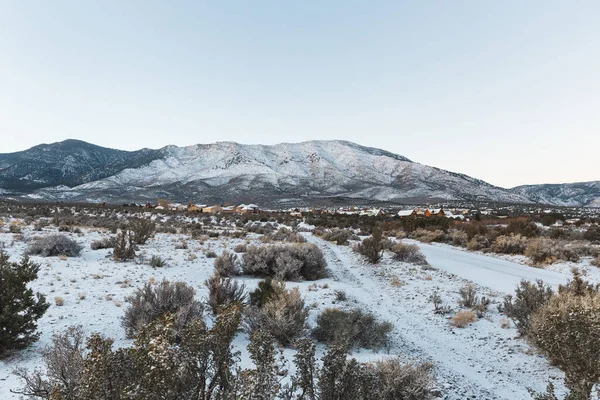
[(479, 362)]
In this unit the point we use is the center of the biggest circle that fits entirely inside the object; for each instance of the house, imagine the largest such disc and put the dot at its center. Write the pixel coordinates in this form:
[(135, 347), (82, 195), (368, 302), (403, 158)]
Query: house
[(228, 210), (406, 213), (195, 207), (248, 208), (148, 205), (212, 209), (437, 211), (374, 212)]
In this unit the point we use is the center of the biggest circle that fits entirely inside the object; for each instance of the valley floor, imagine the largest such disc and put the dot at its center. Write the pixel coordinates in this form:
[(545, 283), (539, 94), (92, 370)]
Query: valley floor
[(480, 361)]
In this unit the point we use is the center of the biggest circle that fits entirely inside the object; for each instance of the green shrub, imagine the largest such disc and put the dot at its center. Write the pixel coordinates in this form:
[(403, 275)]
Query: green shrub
[(285, 262), (529, 297), (224, 292), (409, 253), (54, 245)]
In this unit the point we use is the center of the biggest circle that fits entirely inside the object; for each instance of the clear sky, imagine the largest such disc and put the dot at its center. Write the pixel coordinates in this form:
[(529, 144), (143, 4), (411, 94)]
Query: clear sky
[(505, 91)]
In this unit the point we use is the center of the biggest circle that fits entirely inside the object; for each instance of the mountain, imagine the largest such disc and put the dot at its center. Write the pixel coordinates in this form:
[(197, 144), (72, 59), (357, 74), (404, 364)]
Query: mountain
[(578, 194), (315, 172)]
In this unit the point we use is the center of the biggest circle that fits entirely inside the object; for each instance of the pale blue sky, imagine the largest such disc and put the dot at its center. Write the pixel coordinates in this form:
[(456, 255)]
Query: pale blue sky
[(508, 91)]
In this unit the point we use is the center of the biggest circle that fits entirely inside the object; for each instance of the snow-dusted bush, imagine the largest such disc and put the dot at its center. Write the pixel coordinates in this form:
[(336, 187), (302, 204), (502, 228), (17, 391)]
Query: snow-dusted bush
[(458, 237), (54, 245), (20, 308), (592, 233), (355, 329), (339, 236), (223, 292), (285, 235), (263, 293), (372, 247), (142, 229), (283, 316), (529, 297), (105, 243), (479, 242), (285, 262), (409, 253), (153, 301), (240, 248), (157, 262), (566, 330), (546, 251), (124, 246), (227, 264), (428, 236), (509, 244)]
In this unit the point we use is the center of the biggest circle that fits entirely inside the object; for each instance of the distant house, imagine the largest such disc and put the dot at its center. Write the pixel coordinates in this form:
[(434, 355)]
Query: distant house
[(247, 208), (212, 209), (406, 213), (438, 211), (195, 207), (148, 205)]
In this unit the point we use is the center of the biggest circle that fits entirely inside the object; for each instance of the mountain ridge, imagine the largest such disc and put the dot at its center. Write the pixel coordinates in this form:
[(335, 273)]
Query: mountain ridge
[(285, 173)]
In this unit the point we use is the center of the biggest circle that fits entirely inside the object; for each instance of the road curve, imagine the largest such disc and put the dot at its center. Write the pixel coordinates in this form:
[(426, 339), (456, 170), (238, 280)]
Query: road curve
[(495, 273)]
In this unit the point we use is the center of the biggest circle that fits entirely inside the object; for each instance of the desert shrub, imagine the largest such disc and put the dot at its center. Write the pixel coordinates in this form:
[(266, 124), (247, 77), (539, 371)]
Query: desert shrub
[(286, 235), (458, 237), (397, 381), (409, 253), (463, 318), (546, 251), (340, 295), (124, 246), (438, 307), (105, 243), (478, 242), (596, 261), (339, 236), (227, 264), (524, 228), (428, 236), (152, 302), (240, 248), (157, 262), (211, 254), (285, 262), (14, 228), (283, 316), (468, 295), (372, 247), (142, 230), (224, 292), (20, 308), (509, 244), (529, 297), (592, 233), (566, 329), (354, 328), (64, 364), (263, 293), (54, 245)]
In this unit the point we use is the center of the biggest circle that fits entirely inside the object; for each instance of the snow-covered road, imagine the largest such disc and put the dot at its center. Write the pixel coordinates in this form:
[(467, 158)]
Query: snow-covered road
[(495, 273)]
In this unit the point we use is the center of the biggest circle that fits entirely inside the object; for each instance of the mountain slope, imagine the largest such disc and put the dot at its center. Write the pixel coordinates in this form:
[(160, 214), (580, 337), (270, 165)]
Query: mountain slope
[(287, 173), (578, 194)]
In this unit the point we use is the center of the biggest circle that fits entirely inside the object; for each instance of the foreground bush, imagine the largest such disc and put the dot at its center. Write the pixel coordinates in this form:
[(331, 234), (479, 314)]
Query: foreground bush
[(354, 329), (567, 330), (409, 253), (153, 301), (285, 262), (546, 251), (283, 315), (227, 264), (142, 229), (201, 364), (20, 308), (54, 245), (529, 297), (124, 246)]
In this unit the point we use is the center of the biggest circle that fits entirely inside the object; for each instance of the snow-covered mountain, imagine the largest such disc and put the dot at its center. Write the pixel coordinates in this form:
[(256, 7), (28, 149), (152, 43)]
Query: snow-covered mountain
[(288, 173), (566, 194)]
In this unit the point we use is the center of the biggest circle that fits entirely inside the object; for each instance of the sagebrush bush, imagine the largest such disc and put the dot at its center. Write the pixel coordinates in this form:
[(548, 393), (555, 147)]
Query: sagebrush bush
[(154, 301), (339, 236), (529, 297), (240, 248), (478, 242), (142, 229), (224, 292), (566, 330), (546, 251), (105, 243), (592, 233), (509, 244), (285, 235), (355, 329), (263, 293), (283, 316), (227, 264), (157, 262), (124, 246), (54, 245), (468, 295), (409, 253), (285, 262), (428, 236), (372, 247), (398, 381), (459, 237), (20, 308), (524, 228)]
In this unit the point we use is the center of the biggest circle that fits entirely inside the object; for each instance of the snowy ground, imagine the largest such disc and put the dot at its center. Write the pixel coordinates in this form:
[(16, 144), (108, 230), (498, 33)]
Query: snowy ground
[(481, 361)]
